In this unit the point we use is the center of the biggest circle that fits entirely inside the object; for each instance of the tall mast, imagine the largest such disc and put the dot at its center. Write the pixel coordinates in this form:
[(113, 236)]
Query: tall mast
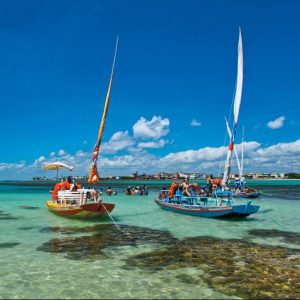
[(236, 109), (94, 176), (242, 159)]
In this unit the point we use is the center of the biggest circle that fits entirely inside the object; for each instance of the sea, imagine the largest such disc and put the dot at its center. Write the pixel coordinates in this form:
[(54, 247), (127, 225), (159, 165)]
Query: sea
[(145, 252)]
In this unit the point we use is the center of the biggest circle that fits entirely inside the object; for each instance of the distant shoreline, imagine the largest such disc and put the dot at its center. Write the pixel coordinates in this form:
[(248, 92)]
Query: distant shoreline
[(138, 182)]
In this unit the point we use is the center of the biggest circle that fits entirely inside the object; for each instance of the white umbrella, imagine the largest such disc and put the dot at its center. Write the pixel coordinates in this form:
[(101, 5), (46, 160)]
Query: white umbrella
[(55, 166)]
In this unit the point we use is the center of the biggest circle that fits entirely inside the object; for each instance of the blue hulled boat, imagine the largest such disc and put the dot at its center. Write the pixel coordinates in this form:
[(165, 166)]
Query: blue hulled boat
[(220, 205)]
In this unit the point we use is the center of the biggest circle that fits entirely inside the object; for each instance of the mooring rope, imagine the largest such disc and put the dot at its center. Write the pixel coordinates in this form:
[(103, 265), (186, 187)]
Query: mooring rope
[(267, 194), (112, 219)]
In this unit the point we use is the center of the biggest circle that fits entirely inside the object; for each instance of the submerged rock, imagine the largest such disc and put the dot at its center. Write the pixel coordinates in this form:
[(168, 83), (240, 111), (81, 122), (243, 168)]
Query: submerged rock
[(8, 245), (233, 267), (286, 236), (28, 207), (27, 228), (7, 216), (103, 236)]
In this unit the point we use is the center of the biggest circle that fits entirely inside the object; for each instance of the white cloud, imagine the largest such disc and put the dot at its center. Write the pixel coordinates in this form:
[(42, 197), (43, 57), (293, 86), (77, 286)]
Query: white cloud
[(153, 129), (52, 154), (277, 123), (195, 123), (12, 166), (61, 152), (119, 141), (152, 144), (281, 150), (193, 156)]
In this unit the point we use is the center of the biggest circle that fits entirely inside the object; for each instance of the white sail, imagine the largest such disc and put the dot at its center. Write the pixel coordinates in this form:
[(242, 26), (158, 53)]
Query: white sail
[(239, 81), (239, 165), (236, 109)]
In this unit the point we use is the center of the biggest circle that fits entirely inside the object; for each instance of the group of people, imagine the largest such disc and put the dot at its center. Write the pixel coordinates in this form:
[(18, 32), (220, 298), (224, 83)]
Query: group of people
[(137, 190), (240, 183), (65, 184), (185, 188)]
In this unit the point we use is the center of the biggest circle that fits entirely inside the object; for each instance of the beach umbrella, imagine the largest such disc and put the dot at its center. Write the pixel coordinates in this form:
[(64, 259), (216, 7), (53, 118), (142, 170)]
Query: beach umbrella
[(55, 166)]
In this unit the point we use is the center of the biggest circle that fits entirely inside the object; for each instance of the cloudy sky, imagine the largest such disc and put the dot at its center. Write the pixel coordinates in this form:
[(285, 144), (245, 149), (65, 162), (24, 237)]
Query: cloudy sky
[(174, 83)]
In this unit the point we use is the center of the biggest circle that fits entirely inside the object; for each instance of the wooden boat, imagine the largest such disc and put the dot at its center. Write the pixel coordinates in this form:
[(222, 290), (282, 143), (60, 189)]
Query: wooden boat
[(247, 193), (80, 202), (83, 203), (221, 205)]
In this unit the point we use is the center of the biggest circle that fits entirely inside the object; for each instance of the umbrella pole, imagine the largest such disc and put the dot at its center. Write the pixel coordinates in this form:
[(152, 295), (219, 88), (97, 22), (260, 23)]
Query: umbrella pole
[(56, 174)]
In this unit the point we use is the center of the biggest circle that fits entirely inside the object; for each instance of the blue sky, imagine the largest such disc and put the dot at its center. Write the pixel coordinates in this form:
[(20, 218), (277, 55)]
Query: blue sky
[(176, 63)]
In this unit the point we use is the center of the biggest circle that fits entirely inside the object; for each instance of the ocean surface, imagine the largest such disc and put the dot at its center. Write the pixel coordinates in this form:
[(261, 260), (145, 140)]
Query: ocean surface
[(156, 254)]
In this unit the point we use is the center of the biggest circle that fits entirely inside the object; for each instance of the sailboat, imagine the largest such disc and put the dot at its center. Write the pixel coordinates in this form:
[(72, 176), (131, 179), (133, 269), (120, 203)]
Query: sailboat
[(250, 193), (72, 200), (220, 203)]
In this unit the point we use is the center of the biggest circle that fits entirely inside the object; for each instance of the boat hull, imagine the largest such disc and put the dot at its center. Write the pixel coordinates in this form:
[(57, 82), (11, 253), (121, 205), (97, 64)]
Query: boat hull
[(89, 210), (235, 211), (246, 195), (205, 212)]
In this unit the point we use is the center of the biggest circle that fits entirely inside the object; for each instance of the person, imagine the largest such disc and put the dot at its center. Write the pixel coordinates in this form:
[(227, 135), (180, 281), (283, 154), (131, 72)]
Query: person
[(209, 182), (137, 191), (73, 187), (128, 191), (163, 193), (217, 182), (145, 190), (172, 190), (186, 191), (109, 191), (237, 182), (184, 183), (243, 182)]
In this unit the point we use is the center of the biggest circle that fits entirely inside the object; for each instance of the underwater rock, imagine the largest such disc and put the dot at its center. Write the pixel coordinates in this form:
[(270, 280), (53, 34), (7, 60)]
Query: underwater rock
[(8, 245), (233, 267), (287, 236), (27, 228), (28, 207), (104, 235), (7, 216)]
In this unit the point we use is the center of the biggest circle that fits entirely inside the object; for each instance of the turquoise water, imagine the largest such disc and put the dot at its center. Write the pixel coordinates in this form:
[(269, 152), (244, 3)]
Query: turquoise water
[(41, 258)]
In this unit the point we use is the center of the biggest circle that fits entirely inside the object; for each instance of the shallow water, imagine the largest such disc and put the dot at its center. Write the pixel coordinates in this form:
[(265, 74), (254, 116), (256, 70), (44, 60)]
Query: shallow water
[(46, 256)]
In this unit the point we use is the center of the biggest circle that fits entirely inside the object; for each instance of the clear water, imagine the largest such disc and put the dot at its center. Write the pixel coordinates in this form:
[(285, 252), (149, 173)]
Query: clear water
[(26, 272)]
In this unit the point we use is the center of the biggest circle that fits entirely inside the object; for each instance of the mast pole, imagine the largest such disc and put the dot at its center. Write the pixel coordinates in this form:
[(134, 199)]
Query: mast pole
[(242, 159), (94, 176)]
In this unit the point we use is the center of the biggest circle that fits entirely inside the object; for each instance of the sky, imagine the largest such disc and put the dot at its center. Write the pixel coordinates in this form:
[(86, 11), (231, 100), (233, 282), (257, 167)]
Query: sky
[(174, 83)]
